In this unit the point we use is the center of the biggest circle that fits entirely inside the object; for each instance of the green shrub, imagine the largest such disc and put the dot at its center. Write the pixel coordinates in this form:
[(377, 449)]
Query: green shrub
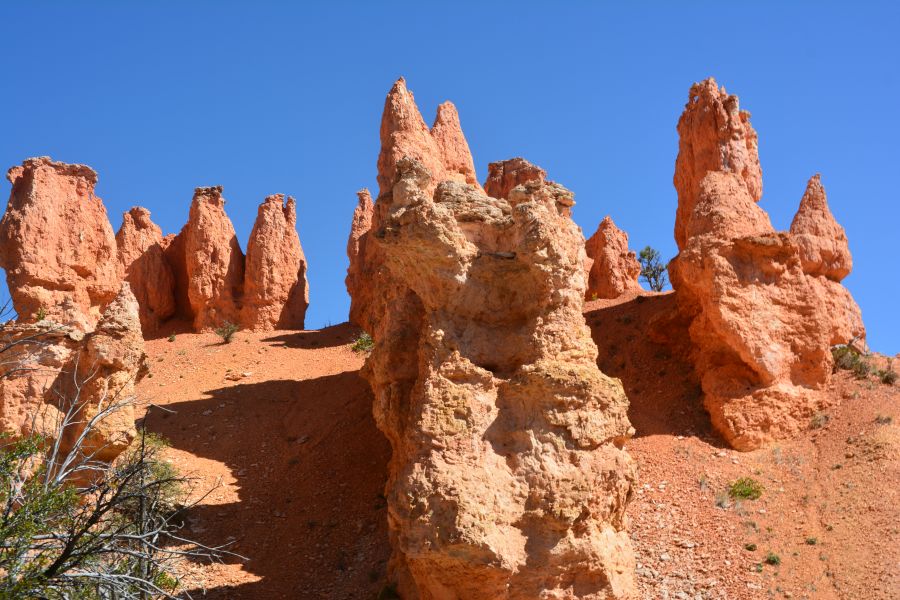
[(745, 488), (772, 559), (750, 547), (227, 331), (848, 359), (652, 269), (172, 337), (364, 343)]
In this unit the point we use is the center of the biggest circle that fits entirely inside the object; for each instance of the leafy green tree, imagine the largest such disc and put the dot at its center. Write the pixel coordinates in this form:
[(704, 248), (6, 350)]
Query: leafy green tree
[(652, 269)]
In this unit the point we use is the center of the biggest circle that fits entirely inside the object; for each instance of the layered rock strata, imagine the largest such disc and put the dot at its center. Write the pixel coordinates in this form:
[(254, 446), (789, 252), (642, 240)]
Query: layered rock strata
[(612, 269), (57, 245), (508, 478), (764, 311)]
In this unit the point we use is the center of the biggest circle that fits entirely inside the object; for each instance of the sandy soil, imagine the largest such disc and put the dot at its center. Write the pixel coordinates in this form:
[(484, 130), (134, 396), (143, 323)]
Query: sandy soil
[(279, 427)]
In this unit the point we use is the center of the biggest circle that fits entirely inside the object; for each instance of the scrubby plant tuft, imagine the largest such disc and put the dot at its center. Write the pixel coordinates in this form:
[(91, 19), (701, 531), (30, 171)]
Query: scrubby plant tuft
[(773, 559), (227, 331), (745, 488), (849, 359)]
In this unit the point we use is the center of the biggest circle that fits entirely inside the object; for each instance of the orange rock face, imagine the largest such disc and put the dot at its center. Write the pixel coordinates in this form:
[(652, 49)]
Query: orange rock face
[(508, 478), (276, 294), (504, 175), (443, 149), (57, 245), (612, 268), (214, 263), (761, 322), (141, 253)]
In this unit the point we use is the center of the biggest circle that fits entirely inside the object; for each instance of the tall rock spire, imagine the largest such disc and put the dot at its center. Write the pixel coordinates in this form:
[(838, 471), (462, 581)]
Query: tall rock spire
[(824, 249)]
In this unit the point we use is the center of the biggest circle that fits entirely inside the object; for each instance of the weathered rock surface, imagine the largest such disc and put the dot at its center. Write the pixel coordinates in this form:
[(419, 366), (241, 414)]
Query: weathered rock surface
[(443, 149), (508, 478), (276, 293), (214, 263), (148, 273), (110, 362), (612, 268), (504, 175), (42, 363), (57, 245), (762, 325)]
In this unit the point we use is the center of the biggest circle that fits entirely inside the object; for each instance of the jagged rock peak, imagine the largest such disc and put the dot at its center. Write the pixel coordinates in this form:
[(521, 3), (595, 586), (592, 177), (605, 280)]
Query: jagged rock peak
[(443, 150), (714, 135), (824, 249)]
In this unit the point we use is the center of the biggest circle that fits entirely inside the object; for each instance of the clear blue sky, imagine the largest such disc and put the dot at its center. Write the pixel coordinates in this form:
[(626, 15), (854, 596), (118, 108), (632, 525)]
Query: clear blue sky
[(266, 97)]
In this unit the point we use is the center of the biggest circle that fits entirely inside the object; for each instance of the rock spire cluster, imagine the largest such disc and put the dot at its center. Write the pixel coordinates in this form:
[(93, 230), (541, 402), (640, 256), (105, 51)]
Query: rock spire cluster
[(508, 477), (63, 262), (765, 306)]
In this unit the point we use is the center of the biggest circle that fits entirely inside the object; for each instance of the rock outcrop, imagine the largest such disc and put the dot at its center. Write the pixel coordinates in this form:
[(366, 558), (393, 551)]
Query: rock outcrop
[(508, 478), (142, 255), (57, 245), (214, 263), (276, 294), (762, 322), (443, 149), (49, 370), (612, 268), (504, 175)]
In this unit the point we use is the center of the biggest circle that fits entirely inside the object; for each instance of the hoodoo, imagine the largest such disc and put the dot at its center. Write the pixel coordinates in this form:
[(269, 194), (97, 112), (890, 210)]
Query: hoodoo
[(765, 306), (141, 253), (508, 478), (57, 245), (612, 268)]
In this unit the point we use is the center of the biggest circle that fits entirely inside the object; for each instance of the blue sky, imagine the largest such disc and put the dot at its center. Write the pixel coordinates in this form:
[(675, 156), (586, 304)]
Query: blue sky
[(266, 97)]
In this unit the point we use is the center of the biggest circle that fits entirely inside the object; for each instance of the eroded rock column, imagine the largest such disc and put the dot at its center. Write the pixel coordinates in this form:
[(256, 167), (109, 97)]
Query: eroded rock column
[(764, 305), (507, 478)]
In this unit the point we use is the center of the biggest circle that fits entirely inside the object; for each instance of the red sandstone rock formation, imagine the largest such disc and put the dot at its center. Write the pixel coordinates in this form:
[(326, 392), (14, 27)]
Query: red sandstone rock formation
[(714, 135), (360, 273), (57, 245), (442, 149), (762, 324), (508, 478), (504, 175), (48, 369), (142, 255), (214, 263), (275, 290), (613, 269)]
